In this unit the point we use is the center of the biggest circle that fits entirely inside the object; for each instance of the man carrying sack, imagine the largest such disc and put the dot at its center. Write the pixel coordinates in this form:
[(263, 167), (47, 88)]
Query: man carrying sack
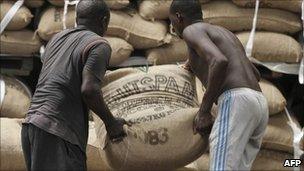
[(55, 131), (218, 59)]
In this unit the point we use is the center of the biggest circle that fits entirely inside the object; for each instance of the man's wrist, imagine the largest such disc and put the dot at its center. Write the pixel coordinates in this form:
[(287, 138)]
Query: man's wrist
[(204, 110), (109, 121)]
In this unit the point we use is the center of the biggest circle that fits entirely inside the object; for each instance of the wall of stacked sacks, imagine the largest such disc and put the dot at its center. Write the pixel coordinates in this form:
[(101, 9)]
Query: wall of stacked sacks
[(144, 29)]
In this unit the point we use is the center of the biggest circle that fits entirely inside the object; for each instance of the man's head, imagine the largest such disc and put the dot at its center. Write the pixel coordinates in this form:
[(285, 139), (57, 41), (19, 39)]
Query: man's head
[(94, 14), (184, 13)]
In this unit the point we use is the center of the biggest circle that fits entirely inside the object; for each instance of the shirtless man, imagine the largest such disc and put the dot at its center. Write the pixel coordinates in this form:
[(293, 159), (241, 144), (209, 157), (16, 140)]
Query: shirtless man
[(55, 131), (218, 59)]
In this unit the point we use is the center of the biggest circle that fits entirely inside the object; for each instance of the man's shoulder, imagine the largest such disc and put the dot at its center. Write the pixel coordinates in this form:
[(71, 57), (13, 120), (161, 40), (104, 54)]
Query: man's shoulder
[(195, 32)]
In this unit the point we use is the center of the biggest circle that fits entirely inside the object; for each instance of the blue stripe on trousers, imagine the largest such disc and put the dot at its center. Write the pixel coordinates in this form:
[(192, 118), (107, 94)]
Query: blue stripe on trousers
[(220, 135), (225, 136), (215, 158), (224, 123)]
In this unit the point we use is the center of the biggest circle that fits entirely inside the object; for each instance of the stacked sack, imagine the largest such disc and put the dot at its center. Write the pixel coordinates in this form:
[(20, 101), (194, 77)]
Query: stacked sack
[(122, 35), (170, 53), (17, 37), (277, 144), (15, 98), (277, 23), (14, 103)]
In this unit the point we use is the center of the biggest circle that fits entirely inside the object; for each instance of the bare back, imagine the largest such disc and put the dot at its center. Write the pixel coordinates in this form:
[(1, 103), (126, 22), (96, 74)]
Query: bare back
[(239, 72)]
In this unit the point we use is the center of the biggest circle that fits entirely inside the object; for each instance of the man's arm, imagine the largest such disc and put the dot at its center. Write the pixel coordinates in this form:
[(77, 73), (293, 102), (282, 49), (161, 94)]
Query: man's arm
[(217, 63), (92, 75), (256, 72)]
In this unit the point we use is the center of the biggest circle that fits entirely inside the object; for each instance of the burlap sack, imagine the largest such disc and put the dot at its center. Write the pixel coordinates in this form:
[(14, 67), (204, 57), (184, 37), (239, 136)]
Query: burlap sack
[(275, 99), (20, 20), (234, 18), (23, 42), (15, 98), (273, 47), (265, 160), (113, 4), (59, 3), (51, 21), (117, 4), (161, 104), (290, 5), (11, 151), (279, 135), (152, 10), (141, 34), (121, 50), (175, 51), (29, 3)]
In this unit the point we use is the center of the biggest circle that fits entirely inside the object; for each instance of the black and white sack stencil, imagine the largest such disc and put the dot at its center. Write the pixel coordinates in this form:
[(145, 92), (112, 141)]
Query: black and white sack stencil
[(161, 104)]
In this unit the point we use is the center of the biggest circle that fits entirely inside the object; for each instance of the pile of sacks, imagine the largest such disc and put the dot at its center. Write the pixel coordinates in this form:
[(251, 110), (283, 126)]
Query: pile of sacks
[(277, 23), (14, 103), (18, 38), (162, 97), (146, 28), (15, 98), (51, 22)]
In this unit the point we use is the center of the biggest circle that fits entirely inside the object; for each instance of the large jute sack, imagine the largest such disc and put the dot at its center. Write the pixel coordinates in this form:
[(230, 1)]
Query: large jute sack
[(234, 18), (265, 160), (113, 4), (141, 34), (152, 10), (121, 50), (175, 51), (11, 151), (275, 99), (22, 42), (117, 4), (15, 97), (273, 47), (161, 104), (290, 5), (279, 135), (20, 20), (29, 3), (51, 22)]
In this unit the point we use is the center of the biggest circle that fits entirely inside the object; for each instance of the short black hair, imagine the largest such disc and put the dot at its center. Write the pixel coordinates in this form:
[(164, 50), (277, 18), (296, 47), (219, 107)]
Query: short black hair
[(92, 9), (191, 9)]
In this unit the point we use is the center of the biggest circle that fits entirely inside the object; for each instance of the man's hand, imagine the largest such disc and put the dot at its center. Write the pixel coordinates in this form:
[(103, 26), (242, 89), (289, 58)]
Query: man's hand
[(203, 124), (115, 130)]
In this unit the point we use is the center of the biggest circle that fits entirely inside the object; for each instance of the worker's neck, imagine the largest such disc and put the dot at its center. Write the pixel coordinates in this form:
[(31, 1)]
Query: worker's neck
[(190, 22), (94, 29)]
